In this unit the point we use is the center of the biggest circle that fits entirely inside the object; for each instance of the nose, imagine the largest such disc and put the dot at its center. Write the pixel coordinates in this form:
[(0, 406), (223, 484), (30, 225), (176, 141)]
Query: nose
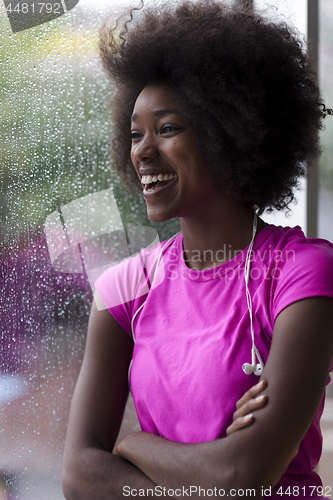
[(145, 150)]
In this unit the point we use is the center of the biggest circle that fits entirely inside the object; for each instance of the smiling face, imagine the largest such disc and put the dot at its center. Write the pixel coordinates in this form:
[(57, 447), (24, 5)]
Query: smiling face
[(175, 173)]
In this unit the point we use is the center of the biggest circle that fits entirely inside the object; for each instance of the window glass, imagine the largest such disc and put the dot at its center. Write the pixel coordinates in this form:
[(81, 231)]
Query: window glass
[(58, 196)]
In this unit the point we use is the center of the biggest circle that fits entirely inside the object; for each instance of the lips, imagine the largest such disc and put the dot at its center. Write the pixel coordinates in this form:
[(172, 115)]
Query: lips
[(152, 186)]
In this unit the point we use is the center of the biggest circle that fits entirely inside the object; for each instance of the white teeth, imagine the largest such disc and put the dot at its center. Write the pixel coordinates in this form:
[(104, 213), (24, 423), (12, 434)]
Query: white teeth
[(148, 179)]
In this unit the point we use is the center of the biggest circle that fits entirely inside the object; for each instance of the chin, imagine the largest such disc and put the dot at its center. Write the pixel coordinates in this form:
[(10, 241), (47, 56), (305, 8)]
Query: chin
[(158, 216)]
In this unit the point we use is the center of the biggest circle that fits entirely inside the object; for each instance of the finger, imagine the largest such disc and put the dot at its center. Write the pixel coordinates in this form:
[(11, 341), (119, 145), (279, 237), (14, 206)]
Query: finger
[(251, 405), (240, 423), (251, 393)]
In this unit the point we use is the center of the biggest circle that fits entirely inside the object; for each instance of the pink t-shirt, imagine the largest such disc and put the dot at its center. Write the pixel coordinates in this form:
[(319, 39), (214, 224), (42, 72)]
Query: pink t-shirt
[(193, 334)]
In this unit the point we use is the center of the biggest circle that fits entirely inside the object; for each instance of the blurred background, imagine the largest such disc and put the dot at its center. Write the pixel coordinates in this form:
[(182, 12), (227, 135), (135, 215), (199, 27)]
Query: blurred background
[(54, 142)]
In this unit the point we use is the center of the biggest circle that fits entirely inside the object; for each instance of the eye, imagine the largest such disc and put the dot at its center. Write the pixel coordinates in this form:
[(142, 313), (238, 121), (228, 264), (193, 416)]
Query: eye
[(135, 135), (167, 129)]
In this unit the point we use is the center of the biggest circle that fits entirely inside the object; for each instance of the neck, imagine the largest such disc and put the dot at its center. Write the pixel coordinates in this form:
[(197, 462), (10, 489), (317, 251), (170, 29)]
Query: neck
[(210, 239)]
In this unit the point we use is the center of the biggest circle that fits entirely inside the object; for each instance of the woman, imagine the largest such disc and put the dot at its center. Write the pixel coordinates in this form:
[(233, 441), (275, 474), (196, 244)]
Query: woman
[(217, 110)]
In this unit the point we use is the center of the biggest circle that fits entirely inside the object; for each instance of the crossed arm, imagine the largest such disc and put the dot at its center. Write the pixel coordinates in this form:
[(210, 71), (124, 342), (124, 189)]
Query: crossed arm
[(296, 374)]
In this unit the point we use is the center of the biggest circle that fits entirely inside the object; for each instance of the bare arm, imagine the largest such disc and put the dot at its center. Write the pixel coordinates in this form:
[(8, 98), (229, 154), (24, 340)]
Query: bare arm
[(251, 401), (90, 470), (296, 373)]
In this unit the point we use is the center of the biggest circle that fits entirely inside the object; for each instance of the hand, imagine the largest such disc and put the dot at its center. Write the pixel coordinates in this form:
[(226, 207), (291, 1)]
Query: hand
[(249, 402)]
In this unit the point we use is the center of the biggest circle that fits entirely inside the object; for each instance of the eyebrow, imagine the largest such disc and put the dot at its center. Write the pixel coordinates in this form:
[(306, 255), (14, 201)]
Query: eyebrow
[(158, 112)]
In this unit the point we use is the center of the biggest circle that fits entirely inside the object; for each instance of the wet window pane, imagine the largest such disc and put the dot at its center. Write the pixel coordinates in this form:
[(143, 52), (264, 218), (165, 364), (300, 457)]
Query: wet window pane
[(62, 209)]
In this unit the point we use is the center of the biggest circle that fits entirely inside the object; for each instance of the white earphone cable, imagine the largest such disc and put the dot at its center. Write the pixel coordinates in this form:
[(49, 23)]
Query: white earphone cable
[(247, 274)]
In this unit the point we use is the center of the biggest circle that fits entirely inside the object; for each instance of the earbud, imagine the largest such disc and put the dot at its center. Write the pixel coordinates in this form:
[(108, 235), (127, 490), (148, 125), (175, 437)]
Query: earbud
[(254, 367), (249, 368), (258, 370)]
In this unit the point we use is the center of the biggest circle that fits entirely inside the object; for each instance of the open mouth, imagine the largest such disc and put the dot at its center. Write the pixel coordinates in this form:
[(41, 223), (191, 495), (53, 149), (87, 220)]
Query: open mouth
[(156, 182)]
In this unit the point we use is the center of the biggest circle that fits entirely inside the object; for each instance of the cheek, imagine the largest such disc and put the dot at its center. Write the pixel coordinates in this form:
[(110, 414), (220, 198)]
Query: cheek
[(188, 162), (173, 148)]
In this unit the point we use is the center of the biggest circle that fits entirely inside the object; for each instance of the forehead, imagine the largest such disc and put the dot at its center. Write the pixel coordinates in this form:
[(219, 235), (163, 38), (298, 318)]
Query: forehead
[(154, 97)]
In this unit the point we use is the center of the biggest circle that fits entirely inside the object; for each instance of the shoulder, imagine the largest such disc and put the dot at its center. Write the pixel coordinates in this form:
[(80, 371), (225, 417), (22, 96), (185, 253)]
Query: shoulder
[(289, 247), (294, 252), (133, 277), (303, 267)]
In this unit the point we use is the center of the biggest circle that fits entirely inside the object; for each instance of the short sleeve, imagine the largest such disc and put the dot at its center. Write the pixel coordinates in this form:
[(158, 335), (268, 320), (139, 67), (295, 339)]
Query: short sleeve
[(124, 286), (304, 269)]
